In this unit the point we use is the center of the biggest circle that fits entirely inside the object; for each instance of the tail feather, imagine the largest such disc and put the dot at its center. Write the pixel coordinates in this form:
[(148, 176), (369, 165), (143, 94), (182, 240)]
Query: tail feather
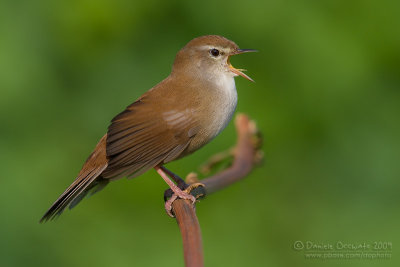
[(73, 194), (89, 179), (96, 186)]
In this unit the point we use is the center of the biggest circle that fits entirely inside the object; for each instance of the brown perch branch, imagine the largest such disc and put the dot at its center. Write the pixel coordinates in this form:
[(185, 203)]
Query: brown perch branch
[(245, 156)]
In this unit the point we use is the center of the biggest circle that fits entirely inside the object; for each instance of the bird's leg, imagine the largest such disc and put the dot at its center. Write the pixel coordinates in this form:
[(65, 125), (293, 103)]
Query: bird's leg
[(178, 180), (177, 191), (194, 188), (180, 183)]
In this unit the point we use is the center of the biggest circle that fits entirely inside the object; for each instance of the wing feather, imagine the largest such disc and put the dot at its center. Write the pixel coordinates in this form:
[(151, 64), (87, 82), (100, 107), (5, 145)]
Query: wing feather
[(145, 135)]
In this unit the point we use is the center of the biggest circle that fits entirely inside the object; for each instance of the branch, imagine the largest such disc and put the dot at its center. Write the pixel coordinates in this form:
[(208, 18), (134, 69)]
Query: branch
[(246, 153), (245, 156), (190, 231)]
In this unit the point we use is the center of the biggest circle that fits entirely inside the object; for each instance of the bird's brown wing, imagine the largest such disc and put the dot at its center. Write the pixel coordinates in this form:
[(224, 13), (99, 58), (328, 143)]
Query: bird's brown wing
[(149, 132)]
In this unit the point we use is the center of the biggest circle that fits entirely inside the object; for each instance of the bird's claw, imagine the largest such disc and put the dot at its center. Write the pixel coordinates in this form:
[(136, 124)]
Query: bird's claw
[(192, 192)]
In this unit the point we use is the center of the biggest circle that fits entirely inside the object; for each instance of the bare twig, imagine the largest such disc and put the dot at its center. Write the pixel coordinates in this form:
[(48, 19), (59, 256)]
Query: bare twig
[(245, 156), (190, 230)]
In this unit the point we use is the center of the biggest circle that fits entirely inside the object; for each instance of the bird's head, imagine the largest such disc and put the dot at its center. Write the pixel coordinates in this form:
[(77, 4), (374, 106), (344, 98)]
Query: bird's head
[(209, 55)]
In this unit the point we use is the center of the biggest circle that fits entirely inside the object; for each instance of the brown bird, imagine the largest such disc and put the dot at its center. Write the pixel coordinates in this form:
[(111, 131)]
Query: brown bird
[(171, 120)]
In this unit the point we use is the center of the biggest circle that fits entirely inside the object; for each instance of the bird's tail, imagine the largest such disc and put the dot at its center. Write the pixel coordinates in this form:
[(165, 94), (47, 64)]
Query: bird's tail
[(89, 179)]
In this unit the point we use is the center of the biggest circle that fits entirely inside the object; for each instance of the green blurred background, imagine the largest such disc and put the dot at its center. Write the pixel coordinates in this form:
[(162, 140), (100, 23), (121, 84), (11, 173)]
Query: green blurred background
[(326, 99)]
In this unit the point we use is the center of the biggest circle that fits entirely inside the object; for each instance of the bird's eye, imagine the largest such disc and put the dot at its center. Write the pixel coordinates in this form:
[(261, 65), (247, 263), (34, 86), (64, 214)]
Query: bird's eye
[(214, 52)]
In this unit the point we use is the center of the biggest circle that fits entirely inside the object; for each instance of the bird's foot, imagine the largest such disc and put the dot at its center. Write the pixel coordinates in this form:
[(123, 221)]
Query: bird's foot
[(168, 206), (192, 192)]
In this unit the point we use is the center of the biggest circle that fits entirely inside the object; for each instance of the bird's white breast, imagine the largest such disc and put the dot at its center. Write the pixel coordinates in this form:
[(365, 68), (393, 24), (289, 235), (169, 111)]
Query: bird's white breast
[(224, 104)]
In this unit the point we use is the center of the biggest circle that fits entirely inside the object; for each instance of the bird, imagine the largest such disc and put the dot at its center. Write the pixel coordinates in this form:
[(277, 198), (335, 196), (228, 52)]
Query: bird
[(173, 119)]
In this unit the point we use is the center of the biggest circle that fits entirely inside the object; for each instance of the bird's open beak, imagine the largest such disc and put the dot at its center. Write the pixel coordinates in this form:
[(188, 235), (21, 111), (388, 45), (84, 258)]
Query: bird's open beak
[(240, 71)]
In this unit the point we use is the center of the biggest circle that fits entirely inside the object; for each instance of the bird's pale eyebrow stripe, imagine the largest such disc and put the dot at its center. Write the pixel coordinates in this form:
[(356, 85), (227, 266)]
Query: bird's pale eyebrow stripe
[(205, 47), (208, 47)]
